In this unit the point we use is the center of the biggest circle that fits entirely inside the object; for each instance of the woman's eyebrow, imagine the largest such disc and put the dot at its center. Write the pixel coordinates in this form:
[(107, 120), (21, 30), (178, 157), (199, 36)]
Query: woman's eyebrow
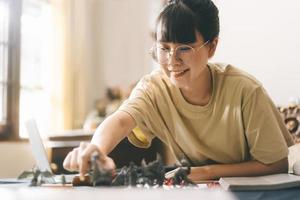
[(162, 42)]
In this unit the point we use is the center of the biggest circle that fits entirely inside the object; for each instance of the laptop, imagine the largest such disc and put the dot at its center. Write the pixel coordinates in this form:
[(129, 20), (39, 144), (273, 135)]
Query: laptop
[(39, 152)]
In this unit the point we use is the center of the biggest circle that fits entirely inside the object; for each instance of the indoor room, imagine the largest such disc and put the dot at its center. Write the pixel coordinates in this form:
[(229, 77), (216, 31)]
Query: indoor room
[(207, 90)]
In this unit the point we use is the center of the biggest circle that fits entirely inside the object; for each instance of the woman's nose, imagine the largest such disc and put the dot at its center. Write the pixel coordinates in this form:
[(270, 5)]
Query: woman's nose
[(173, 58)]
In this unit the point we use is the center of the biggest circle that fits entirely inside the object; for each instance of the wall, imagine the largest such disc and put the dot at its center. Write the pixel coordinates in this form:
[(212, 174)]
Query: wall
[(262, 37), (15, 157), (115, 43), (125, 40)]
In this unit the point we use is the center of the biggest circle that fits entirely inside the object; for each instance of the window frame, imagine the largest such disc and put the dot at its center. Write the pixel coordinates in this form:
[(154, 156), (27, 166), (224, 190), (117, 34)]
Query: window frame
[(10, 129)]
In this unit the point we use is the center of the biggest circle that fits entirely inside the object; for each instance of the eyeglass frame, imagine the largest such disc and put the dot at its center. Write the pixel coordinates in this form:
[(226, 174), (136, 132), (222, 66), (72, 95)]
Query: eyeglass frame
[(154, 47)]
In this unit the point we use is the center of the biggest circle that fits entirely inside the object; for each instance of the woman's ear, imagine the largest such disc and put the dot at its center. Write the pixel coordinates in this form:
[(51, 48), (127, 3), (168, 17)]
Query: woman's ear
[(212, 47)]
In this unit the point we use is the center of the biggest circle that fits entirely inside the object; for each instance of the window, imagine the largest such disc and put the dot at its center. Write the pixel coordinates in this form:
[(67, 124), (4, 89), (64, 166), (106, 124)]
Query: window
[(25, 58), (36, 48), (3, 59), (9, 13), (32, 85)]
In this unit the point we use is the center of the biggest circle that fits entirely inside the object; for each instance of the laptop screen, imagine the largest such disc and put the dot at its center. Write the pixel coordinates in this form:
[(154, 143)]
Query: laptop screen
[(36, 143)]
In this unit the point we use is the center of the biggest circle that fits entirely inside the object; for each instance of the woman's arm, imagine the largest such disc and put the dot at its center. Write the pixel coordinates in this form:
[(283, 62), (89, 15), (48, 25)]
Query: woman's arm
[(249, 168), (111, 131)]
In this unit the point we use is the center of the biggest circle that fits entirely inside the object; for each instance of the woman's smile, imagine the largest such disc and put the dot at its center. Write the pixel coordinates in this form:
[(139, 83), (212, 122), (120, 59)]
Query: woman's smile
[(179, 74)]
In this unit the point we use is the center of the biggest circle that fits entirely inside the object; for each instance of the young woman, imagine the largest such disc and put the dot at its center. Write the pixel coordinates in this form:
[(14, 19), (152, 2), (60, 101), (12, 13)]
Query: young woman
[(217, 116)]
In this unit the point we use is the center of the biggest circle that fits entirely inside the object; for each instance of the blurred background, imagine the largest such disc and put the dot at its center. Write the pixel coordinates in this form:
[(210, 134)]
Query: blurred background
[(70, 63)]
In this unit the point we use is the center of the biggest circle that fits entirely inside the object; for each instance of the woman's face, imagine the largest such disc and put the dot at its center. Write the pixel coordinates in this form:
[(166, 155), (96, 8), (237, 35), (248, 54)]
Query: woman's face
[(184, 66)]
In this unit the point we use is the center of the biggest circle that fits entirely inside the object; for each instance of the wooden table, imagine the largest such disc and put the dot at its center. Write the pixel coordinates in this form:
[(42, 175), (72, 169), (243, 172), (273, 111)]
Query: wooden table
[(82, 193), (24, 192)]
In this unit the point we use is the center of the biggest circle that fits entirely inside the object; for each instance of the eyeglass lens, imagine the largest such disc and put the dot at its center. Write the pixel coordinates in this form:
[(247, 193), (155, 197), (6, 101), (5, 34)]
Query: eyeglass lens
[(184, 53)]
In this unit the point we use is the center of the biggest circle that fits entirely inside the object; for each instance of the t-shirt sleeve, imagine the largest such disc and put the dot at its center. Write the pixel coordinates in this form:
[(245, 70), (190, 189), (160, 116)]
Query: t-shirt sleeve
[(268, 139), (140, 107)]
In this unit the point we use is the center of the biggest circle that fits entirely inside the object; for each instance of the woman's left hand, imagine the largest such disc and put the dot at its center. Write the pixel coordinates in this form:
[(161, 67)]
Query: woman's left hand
[(202, 173)]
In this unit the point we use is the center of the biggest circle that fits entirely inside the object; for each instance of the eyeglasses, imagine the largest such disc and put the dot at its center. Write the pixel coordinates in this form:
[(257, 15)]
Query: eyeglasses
[(185, 53)]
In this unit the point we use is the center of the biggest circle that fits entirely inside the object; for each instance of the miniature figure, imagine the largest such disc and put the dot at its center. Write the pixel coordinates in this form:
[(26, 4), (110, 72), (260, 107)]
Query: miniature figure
[(100, 176), (291, 117), (179, 176), (38, 177), (151, 174)]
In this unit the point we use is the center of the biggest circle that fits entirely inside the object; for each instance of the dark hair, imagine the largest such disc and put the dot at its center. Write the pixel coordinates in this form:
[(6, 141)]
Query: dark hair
[(179, 20)]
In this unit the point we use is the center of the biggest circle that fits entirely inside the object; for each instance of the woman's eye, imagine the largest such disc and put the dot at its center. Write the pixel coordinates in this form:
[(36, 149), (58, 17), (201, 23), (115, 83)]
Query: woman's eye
[(163, 49), (184, 49)]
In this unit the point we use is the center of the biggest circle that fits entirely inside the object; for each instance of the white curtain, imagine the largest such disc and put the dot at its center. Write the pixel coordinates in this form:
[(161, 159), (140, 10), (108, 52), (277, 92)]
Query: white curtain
[(100, 43), (76, 52)]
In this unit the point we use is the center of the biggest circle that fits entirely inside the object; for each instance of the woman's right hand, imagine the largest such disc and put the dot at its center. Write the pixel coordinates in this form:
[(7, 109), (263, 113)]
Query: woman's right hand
[(79, 159)]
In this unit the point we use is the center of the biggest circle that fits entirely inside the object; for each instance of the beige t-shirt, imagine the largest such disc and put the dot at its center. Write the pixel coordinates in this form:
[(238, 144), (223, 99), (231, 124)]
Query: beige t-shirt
[(239, 123)]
